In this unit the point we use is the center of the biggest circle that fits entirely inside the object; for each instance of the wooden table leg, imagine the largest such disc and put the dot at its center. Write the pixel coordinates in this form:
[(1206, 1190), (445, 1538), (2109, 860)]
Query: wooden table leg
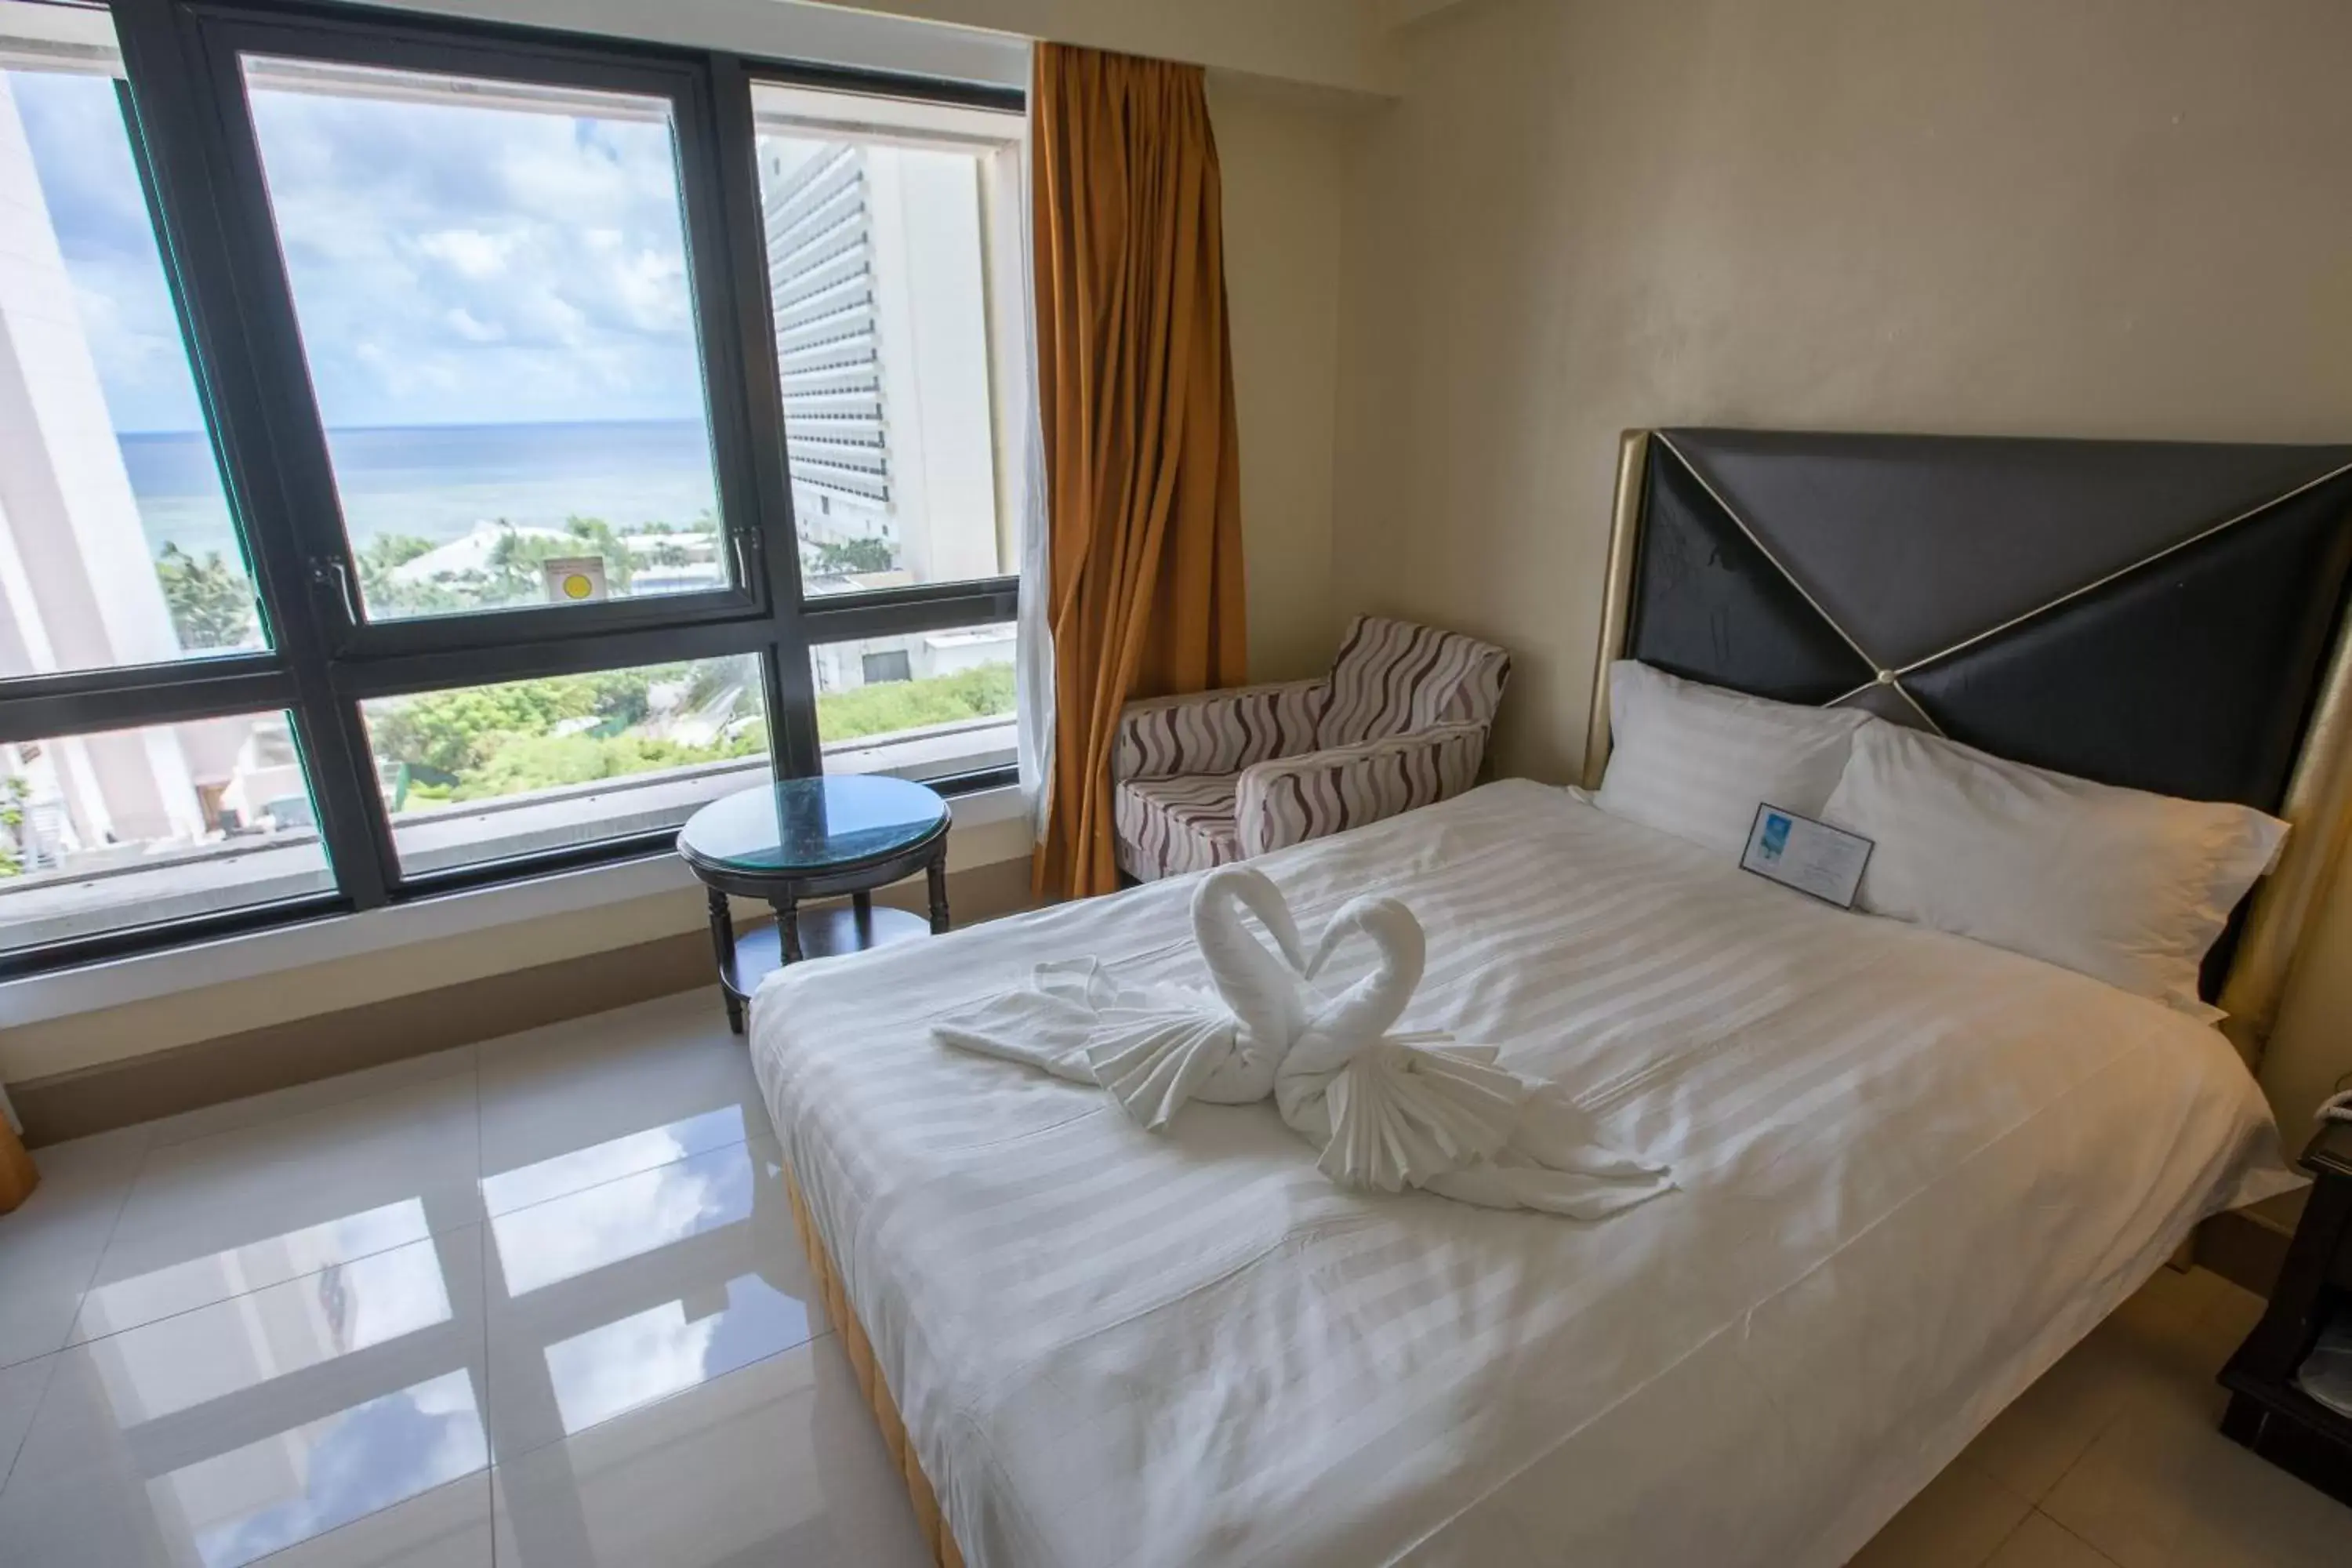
[(788, 927), (936, 877), (722, 945)]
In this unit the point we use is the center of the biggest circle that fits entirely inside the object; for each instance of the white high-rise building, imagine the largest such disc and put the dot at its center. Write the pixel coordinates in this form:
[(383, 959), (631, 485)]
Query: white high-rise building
[(875, 270)]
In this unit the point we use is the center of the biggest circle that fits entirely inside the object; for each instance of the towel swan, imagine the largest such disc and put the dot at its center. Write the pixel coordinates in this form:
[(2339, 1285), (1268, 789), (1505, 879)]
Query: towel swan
[(1388, 1110), (1262, 994), (1391, 1110), (1154, 1046)]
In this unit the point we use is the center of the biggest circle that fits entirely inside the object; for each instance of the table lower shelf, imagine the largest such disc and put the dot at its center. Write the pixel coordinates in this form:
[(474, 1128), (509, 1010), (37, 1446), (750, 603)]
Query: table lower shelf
[(824, 933)]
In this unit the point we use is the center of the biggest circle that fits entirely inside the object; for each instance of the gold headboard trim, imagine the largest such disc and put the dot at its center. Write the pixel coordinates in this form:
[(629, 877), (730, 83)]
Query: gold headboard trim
[(2319, 807), (1616, 606)]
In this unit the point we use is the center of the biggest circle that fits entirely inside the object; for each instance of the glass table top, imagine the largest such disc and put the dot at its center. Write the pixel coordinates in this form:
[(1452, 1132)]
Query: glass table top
[(804, 826)]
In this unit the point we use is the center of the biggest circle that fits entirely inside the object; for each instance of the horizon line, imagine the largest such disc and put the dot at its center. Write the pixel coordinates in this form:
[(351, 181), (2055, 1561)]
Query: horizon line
[(452, 425)]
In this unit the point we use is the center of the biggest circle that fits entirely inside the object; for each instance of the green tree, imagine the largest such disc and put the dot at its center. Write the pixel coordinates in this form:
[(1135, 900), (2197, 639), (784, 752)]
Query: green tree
[(886, 706), (457, 733), (865, 554), (211, 602), (388, 594), (516, 561), (13, 789), (523, 763)]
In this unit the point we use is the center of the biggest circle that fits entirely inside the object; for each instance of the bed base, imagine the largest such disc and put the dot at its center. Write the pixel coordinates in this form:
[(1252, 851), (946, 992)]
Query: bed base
[(860, 1350)]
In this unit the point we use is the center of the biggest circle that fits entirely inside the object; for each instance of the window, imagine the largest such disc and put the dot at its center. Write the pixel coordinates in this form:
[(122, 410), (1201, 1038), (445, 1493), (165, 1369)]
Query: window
[(430, 452), (101, 833), (922, 705), (490, 280), (485, 772), (887, 240)]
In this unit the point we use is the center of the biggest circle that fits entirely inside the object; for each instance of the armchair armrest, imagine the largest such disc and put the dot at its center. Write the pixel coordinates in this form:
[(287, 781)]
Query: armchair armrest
[(1215, 732), (1291, 799)]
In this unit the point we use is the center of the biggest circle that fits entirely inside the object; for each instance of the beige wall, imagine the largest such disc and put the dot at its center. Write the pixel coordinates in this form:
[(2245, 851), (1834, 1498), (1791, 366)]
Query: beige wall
[(1284, 157), (2047, 216)]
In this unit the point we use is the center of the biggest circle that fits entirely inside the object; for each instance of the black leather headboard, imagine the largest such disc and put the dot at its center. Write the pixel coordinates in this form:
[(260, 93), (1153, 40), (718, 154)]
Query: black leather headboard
[(2152, 613)]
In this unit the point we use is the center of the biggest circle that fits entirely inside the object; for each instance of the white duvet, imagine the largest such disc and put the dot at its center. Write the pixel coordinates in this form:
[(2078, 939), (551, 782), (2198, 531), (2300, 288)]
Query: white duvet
[(1914, 1171)]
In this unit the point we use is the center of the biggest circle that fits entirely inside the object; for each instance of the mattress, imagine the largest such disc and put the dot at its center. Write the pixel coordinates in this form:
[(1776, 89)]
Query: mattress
[(1912, 1171)]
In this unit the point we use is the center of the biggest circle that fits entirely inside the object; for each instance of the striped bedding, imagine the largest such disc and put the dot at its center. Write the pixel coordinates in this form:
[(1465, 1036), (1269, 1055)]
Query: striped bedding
[(1915, 1170)]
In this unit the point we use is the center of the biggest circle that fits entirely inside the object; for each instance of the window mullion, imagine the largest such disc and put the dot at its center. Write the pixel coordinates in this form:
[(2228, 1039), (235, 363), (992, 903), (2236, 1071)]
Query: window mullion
[(204, 197), (791, 695)]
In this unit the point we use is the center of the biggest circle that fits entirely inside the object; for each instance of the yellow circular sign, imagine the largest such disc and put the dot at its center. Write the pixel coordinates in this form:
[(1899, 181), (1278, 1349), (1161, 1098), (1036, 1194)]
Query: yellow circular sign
[(576, 585)]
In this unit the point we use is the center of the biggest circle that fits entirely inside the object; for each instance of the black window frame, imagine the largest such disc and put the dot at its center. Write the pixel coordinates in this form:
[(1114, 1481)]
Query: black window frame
[(193, 139)]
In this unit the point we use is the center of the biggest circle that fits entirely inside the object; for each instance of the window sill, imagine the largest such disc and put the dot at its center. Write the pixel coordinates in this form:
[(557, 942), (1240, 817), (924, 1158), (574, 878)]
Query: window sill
[(979, 836)]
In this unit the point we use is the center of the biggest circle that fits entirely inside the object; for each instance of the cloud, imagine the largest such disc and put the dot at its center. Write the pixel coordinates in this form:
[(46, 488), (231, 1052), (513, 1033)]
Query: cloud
[(505, 264), (451, 262), (473, 328), (82, 155), (469, 252)]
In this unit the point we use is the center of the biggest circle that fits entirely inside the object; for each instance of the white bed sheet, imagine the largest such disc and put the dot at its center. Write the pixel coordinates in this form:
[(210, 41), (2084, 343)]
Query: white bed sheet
[(1915, 1170)]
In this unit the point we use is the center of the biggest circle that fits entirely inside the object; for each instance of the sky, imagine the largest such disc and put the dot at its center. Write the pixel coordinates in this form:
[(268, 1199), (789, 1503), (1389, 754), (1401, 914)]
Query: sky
[(451, 264)]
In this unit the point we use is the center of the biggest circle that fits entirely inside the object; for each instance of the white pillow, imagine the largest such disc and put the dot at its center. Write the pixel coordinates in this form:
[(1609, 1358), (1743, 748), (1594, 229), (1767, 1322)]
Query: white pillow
[(2128, 887), (1695, 760)]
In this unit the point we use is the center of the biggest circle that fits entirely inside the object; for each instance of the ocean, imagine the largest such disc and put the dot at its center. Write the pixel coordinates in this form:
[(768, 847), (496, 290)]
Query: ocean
[(437, 481)]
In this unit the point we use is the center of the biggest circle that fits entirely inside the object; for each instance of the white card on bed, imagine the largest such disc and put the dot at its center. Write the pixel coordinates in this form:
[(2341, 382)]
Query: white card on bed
[(1794, 850)]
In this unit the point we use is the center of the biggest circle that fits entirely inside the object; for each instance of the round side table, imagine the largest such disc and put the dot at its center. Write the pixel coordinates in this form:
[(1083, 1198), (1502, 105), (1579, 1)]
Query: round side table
[(813, 838)]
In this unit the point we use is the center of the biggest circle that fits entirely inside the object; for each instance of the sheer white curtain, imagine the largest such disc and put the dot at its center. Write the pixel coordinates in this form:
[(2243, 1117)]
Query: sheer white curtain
[(1033, 643)]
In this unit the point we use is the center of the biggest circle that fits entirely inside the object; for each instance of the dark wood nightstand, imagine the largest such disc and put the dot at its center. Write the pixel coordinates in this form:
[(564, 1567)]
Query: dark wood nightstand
[(2267, 1412)]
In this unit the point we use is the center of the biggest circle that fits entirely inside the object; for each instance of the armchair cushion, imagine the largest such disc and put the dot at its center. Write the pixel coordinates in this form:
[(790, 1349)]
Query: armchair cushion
[(1215, 732), (1292, 799), (1168, 827), (1394, 678)]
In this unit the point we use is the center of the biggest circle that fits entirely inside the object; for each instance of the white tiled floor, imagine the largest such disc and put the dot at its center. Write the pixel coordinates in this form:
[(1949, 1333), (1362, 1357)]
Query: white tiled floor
[(538, 1302), (307, 1324)]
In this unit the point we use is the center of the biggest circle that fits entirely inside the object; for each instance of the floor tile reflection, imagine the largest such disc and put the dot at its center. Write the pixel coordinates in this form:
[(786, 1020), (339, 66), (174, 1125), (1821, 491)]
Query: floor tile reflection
[(448, 1527), (606, 1300), (115, 1305), (233, 1431), (355, 1462), (579, 1103), (778, 1463), (257, 1196), (504, 1191), (569, 1236), (669, 1349)]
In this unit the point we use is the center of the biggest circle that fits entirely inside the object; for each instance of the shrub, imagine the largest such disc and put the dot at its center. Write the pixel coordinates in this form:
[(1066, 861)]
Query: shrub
[(885, 707)]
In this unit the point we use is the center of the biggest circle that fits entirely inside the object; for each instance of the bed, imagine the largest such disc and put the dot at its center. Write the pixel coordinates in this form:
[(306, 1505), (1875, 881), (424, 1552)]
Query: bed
[(1913, 1169)]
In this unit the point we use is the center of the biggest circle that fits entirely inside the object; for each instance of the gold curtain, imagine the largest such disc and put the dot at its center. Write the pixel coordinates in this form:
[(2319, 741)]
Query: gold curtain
[(1135, 389)]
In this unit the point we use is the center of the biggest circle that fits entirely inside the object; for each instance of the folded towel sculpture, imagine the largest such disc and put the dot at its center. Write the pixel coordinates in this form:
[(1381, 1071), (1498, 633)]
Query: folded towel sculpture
[(1388, 1110)]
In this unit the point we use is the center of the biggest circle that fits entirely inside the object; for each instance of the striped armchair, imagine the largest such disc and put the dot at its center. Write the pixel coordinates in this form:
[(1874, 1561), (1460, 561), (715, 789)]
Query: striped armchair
[(1401, 722)]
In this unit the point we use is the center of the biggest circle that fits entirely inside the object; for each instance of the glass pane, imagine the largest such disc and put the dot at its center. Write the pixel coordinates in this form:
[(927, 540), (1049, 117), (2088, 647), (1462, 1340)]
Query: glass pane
[(922, 705), (893, 271), (134, 827), (483, 773), (492, 289), (116, 546)]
